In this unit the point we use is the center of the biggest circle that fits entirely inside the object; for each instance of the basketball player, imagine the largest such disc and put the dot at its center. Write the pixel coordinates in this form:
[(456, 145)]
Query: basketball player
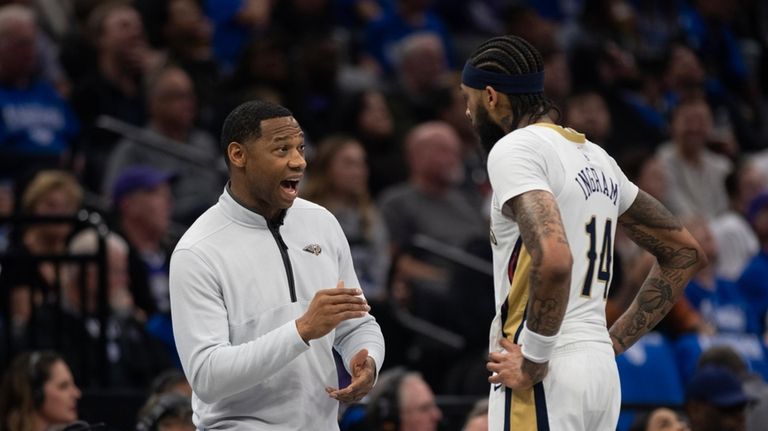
[(557, 200)]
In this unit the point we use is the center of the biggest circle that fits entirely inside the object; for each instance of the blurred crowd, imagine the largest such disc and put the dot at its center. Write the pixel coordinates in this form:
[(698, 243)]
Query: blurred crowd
[(114, 108)]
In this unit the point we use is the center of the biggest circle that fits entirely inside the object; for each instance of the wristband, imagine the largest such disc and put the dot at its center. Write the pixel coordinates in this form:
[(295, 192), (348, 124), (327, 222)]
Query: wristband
[(536, 347)]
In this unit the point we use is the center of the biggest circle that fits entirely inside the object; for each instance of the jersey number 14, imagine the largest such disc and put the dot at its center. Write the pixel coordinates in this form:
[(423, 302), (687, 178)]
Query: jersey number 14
[(606, 255)]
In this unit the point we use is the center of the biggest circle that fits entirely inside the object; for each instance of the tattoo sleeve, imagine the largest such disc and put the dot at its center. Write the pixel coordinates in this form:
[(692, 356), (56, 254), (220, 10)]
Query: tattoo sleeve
[(541, 228), (678, 258)]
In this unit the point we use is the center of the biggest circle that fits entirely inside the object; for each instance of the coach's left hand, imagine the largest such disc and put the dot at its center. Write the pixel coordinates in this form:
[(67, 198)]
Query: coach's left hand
[(363, 369), (512, 370)]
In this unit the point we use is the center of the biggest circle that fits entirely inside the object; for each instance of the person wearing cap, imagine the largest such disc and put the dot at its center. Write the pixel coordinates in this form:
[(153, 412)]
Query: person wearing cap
[(752, 282), (141, 198), (716, 401), (557, 201), (263, 288)]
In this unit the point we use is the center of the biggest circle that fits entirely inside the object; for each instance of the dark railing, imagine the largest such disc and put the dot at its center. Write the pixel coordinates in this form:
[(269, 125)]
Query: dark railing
[(83, 220)]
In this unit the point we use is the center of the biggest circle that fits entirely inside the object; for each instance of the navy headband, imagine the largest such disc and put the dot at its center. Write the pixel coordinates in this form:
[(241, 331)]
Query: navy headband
[(502, 82)]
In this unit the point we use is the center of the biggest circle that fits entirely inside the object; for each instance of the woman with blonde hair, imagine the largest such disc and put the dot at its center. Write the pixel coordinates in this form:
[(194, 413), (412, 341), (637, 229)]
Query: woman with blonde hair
[(338, 180)]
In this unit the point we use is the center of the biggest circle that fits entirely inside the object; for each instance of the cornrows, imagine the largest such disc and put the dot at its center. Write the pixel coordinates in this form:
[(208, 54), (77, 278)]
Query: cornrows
[(515, 56)]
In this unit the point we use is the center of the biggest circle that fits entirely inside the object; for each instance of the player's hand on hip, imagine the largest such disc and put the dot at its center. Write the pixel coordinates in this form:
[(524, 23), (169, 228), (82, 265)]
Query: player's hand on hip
[(511, 369), (363, 369), (328, 308)]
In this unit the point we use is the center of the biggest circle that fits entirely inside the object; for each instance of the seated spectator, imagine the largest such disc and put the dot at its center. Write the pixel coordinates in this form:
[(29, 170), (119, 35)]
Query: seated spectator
[(696, 174), (477, 419), (716, 401), (37, 393), (172, 108), (133, 357), (234, 23), (734, 236), (587, 113), (166, 412), (37, 127), (338, 180), (50, 193), (718, 301), (752, 280), (430, 203), (402, 401), (114, 87), (408, 17), (142, 200)]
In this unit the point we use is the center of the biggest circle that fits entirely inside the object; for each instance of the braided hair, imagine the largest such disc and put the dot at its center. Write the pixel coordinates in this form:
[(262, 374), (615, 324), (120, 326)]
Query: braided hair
[(513, 55)]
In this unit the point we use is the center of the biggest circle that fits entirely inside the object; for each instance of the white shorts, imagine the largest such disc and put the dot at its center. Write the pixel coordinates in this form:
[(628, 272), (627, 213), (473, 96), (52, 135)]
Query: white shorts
[(581, 392)]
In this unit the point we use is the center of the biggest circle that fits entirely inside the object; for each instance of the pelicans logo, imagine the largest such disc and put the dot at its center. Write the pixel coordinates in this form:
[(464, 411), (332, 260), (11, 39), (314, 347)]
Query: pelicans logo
[(314, 249)]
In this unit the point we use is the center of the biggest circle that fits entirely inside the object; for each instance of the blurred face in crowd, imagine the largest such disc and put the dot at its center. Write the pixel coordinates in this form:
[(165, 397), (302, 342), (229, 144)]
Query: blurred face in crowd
[(752, 181), (588, 114), (684, 68), (122, 36), (418, 410), (60, 396), (18, 51), (425, 62), (375, 120), (56, 202), (348, 170), (435, 154), (271, 166), (663, 419), (187, 24), (653, 178), (150, 208), (173, 100), (692, 127)]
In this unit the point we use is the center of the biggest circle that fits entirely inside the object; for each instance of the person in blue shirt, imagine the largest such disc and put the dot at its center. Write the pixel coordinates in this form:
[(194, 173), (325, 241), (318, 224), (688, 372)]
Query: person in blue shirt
[(753, 283), (37, 126)]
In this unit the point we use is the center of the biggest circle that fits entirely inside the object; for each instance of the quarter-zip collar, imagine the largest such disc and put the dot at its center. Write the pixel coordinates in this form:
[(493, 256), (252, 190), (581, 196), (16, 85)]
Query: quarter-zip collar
[(239, 212)]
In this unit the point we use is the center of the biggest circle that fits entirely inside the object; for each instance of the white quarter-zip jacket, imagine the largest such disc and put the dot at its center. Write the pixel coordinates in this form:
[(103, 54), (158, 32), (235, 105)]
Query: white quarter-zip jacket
[(238, 283)]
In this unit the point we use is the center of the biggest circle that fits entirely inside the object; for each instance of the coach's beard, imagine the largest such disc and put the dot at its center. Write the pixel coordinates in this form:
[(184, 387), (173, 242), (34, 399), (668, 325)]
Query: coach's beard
[(488, 131)]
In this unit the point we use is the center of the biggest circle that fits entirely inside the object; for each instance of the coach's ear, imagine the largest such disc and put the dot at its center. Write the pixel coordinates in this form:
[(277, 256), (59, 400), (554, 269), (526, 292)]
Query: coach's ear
[(236, 154)]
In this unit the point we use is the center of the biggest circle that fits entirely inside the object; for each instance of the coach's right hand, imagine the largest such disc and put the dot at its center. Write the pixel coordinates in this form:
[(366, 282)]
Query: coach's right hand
[(328, 308)]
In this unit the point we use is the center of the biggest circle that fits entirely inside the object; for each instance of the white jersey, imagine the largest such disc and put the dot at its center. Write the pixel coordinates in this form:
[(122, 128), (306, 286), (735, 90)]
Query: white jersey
[(591, 192)]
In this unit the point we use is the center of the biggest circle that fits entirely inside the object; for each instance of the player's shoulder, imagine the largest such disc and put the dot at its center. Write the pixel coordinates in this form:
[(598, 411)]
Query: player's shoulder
[(209, 223)]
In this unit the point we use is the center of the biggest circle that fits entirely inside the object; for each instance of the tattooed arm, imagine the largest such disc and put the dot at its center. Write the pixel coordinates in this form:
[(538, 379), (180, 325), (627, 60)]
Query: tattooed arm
[(541, 228), (678, 258)]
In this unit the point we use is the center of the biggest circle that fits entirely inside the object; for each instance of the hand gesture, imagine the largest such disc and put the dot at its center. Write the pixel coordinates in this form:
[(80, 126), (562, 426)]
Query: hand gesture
[(512, 370), (363, 369), (328, 308)]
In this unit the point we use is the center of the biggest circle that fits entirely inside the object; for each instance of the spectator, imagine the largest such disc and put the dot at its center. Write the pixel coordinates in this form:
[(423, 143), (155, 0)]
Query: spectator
[(133, 358), (172, 107), (339, 182), (166, 412), (430, 203), (50, 193), (37, 127), (752, 280), (38, 392), (385, 32), (718, 301), (477, 419), (715, 401), (234, 23), (696, 174), (143, 202), (114, 88), (402, 401), (586, 112), (734, 236)]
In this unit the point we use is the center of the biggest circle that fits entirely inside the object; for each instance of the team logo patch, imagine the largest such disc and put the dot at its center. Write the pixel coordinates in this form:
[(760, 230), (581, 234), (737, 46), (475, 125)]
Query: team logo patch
[(314, 249)]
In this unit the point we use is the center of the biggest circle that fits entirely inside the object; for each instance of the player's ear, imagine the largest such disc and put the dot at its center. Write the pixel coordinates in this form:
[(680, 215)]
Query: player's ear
[(490, 97)]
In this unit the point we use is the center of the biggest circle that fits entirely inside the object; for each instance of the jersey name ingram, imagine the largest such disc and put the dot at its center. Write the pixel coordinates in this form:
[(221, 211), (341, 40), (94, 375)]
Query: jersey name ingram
[(592, 180)]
